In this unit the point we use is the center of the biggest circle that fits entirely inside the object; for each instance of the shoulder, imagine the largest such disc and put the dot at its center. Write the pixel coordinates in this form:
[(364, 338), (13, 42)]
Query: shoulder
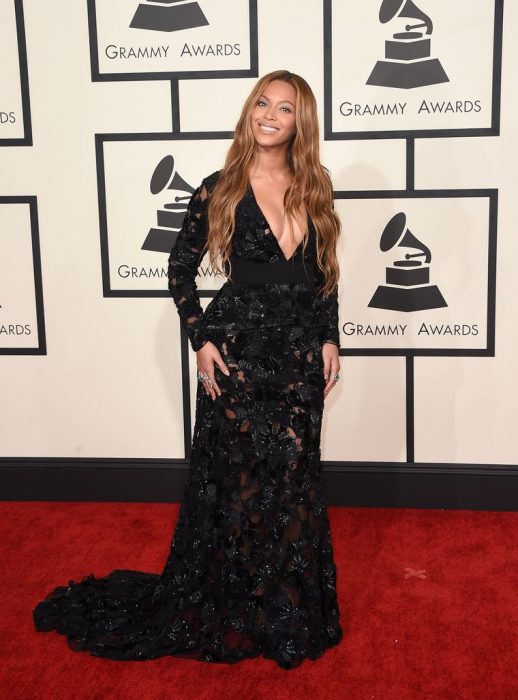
[(210, 180)]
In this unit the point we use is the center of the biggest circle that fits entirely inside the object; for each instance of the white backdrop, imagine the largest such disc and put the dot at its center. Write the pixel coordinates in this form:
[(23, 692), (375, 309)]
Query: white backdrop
[(100, 374)]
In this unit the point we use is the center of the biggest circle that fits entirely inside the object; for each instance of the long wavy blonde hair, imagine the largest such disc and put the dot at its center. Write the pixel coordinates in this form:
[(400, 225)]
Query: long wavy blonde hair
[(311, 184)]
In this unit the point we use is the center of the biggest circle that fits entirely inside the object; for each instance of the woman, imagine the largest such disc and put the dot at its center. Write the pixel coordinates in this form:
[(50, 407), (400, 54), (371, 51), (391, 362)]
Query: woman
[(251, 567)]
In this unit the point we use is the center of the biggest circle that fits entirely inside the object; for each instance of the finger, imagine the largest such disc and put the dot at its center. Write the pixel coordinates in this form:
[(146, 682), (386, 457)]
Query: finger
[(334, 369), (205, 384), (327, 367), (329, 388), (215, 385), (223, 367), (210, 390), (328, 376)]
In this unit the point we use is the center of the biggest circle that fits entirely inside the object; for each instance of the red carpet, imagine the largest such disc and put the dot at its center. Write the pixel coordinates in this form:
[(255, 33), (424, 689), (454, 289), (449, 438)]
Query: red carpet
[(429, 604)]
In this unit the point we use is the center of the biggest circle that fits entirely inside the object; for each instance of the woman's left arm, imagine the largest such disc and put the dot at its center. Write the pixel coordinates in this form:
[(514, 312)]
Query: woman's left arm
[(330, 305), (331, 344)]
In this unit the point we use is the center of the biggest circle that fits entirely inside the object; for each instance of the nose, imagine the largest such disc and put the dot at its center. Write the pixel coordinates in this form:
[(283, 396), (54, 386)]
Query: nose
[(270, 113)]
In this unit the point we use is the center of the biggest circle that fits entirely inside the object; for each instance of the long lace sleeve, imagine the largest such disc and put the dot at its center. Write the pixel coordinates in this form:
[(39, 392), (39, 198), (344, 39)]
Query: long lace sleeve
[(330, 309), (184, 260), (330, 305)]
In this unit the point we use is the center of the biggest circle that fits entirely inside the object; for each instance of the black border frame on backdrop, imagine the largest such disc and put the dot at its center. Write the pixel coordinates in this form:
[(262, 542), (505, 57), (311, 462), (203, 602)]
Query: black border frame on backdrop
[(331, 135), (100, 140), (26, 139), (32, 203), (97, 76), (410, 353), (351, 483), (492, 196)]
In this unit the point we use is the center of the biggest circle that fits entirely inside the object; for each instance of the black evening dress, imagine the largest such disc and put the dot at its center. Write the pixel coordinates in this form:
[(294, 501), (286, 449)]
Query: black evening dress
[(251, 569)]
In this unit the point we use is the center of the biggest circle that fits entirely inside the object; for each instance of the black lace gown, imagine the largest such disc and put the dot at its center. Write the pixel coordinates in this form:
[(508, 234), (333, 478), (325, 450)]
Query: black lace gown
[(251, 569)]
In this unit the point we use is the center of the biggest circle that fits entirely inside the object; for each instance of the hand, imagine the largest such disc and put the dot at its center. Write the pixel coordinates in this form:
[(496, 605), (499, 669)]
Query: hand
[(206, 357), (331, 358)]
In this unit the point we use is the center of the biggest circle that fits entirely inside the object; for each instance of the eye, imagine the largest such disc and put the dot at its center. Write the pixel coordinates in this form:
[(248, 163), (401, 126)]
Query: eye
[(286, 108), (261, 102)]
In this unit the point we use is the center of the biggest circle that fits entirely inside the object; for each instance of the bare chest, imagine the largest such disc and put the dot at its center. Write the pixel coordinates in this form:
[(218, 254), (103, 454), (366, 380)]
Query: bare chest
[(271, 203)]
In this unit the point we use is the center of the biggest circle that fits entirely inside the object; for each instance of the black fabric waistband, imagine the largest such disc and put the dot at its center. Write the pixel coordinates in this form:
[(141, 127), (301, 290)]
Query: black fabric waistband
[(255, 272)]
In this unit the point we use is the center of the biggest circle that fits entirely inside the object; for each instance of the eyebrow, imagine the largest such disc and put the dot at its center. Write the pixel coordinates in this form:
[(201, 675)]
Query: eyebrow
[(287, 101)]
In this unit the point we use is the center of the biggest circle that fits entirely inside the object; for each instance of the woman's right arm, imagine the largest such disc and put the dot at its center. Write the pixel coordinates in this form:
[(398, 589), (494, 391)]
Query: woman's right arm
[(184, 260)]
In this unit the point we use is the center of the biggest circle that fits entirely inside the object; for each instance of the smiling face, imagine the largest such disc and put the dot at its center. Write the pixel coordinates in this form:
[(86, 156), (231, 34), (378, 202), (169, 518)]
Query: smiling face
[(273, 117)]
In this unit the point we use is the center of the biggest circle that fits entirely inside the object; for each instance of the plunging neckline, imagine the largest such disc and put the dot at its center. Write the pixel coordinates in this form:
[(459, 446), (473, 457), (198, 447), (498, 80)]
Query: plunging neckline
[(272, 231)]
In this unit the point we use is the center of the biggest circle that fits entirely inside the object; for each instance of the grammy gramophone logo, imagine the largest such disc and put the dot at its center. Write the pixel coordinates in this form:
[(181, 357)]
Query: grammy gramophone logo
[(170, 217), (408, 62), (168, 15), (408, 286)]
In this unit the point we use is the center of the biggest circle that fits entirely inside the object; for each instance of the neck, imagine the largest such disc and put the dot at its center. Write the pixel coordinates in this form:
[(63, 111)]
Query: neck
[(269, 162)]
